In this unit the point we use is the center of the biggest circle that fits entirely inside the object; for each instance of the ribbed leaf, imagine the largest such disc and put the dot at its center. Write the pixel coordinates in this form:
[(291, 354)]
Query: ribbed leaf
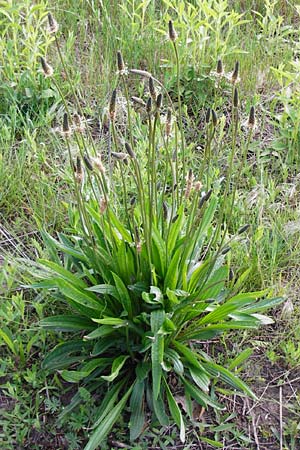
[(157, 350), (62, 272), (111, 321), (116, 367), (67, 323), (108, 402), (157, 356), (123, 295), (238, 360), (175, 359), (201, 378), (74, 376), (159, 409), (263, 305), (200, 397), (80, 297), (227, 377), (105, 289), (175, 412), (107, 423), (219, 313), (61, 356), (190, 355), (137, 418), (99, 332), (171, 278)]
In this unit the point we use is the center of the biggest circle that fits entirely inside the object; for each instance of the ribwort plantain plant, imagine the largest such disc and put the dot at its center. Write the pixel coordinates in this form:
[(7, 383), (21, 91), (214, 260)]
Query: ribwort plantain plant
[(143, 270)]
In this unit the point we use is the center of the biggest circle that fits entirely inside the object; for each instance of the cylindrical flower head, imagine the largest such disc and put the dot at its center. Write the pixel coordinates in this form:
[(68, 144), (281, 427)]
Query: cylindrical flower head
[(220, 70), (120, 62), (152, 89), (169, 122), (112, 105), (120, 156), (159, 101), (207, 115), (251, 120), (235, 73), (53, 25), (149, 105), (139, 101), (88, 162), (66, 130), (172, 32), (47, 69), (214, 117), (129, 150)]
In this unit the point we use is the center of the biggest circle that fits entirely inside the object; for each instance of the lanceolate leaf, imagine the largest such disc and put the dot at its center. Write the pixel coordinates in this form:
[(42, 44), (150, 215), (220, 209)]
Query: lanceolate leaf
[(62, 272), (157, 355), (66, 353), (116, 367), (227, 377), (200, 397), (137, 418), (108, 401), (171, 278), (123, 294), (175, 411), (107, 423), (67, 323), (74, 376), (87, 301), (157, 350)]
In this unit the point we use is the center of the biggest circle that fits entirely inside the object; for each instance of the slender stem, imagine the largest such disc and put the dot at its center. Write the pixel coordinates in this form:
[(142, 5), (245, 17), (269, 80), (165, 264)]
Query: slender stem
[(180, 117)]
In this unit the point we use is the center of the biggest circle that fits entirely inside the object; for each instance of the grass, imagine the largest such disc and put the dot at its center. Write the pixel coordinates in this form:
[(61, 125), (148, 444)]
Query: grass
[(36, 187)]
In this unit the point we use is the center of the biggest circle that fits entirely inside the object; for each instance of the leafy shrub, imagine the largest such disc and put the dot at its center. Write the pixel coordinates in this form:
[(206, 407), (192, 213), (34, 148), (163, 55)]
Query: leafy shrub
[(142, 267)]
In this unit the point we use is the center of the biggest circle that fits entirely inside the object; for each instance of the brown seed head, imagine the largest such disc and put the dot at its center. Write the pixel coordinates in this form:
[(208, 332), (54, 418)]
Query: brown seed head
[(172, 32), (120, 156), (220, 70), (78, 123), (235, 73), (169, 122), (112, 105), (139, 101), (152, 89), (88, 162), (214, 117), (78, 170), (142, 73), (251, 120), (52, 24), (189, 183), (243, 229), (159, 101), (207, 116), (103, 205), (149, 105), (47, 69), (66, 130), (198, 186), (97, 162), (130, 151), (120, 62)]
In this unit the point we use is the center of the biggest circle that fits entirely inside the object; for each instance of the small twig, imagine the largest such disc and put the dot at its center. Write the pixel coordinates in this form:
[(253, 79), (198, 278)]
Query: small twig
[(253, 426), (280, 417)]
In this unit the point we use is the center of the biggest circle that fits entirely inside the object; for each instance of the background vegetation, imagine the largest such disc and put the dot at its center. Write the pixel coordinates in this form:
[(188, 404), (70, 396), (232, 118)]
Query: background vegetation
[(36, 190)]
